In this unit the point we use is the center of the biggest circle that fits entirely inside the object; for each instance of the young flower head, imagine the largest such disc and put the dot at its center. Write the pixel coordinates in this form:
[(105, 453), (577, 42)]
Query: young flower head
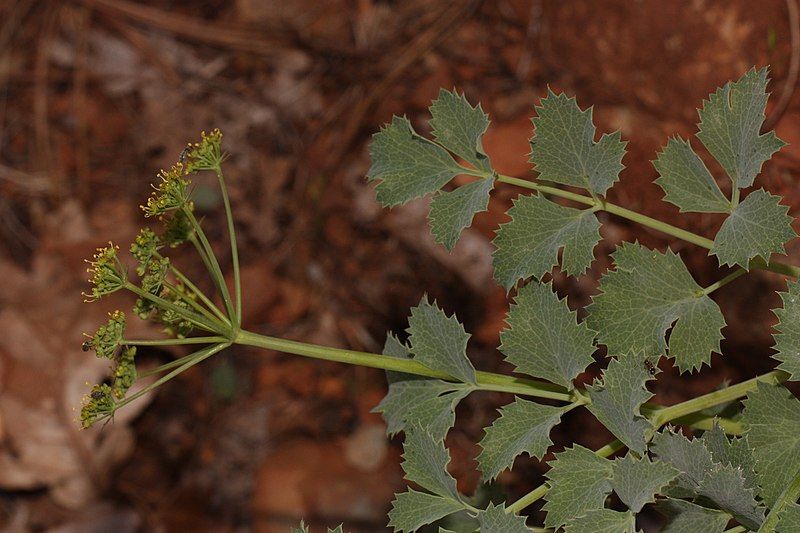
[(125, 372), (108, 337), (170, 194), (177, 227), (207, 154), (99, 403), (155, 272), (143, 248), (106, 273), (175, 324)]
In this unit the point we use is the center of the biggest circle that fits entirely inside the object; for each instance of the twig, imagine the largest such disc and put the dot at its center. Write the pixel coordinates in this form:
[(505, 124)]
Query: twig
[(794, 68)]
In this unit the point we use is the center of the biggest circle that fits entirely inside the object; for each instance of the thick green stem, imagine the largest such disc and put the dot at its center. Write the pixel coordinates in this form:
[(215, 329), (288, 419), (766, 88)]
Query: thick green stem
[(237, 286), (789, 496), (214, 270), (486, 381)]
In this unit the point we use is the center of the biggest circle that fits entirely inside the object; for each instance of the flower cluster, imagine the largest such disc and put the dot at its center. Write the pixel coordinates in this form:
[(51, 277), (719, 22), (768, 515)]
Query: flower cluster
[(106, 273), (170, 194), (177, 227), (175, 324), (125, 372), (206, 154), (143, 248), (155, 272), (108, 337), (99, 403)]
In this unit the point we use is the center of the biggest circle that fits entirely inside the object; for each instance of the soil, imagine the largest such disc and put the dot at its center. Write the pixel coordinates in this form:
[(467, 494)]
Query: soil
[(96, 95)]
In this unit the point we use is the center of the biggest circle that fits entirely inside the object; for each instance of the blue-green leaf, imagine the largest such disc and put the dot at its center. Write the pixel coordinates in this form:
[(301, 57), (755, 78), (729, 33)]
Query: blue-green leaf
[(412, 509), (686, 181), (730, 124), (617, 398), (407, 165), (772, 419), (787, 340), (523, 426), (458, 126), (563, 149), (758, 227), (495, 519), (452, 211), (544, 338), (528, 245), (579, 483), (439, 341), (649, 292)]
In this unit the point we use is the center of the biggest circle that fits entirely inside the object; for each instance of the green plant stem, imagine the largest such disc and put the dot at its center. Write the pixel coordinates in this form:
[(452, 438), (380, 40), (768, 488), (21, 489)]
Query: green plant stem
[(214, 270), (195, 319), (486, 381), (712, 399), (193, 359), (173, 342), (200, 294), (237, 286), (789, 496), (644, 220), (724, 281)]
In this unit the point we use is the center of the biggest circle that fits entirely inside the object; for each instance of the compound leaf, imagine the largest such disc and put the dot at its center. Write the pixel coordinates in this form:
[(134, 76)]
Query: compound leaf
[(439, 341), (772, 419), (528, 245), (690, 457), (412, 510), (736, 453), (730, 121), (603, 521), (523, 426), (427, 403), (758, 227), (643, 297), (686, 181), (725, 486), (452, 211), (544, 338), (425, 463), (787, 340), (617, 398), (563, 148), (579, 483), (687, 517), (407, 165), (458, 126), (495, 520), (637, 481)]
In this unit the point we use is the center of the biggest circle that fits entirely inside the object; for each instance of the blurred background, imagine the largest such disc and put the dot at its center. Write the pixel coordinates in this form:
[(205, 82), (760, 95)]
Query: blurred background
[(97, 95)]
